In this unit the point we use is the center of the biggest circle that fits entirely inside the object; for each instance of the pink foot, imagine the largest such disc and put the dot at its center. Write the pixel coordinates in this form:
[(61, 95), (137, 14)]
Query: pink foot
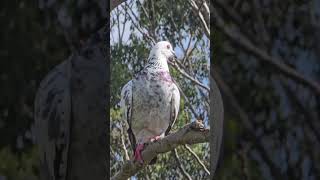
[(137, 153), (156, 138)]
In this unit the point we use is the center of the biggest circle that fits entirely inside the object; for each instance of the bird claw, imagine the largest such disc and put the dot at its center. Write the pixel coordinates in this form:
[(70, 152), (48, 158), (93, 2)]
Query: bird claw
[(156, 138), (152, 140), (198, 125), (140, 147)]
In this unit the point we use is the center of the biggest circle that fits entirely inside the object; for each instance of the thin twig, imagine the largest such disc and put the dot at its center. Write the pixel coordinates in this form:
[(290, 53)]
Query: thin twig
[(197, 158), (200, 15), (186, 99), (186, 51), (174, 64), (190, 52), (152, 21), (144, 10), (124, 23), (124, 144), (139, 28), (206, 8), (181, 167), (118, 24)]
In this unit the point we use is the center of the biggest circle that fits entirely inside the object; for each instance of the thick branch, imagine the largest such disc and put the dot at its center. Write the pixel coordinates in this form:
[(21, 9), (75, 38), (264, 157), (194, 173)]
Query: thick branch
[(192, 133)]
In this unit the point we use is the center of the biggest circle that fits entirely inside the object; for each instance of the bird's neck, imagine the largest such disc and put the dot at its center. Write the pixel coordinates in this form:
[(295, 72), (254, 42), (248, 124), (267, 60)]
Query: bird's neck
[(157, 61)]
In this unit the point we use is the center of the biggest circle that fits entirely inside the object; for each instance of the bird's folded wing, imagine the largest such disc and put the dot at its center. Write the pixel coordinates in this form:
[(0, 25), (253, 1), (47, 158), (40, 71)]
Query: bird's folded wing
[(126, 108), (175, 104)]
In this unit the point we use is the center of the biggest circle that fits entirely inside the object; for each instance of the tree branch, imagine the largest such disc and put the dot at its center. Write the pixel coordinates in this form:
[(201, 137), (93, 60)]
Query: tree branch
[(138, 26), (181, 167), (197, 158), (177, 67), (198, 13), (238, 38), (192, 133), (124, 144), (186, 99), (245, 120)]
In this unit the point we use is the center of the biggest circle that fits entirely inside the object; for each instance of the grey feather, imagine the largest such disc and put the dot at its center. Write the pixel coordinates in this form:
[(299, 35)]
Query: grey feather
[(175, 104), (150, 101)]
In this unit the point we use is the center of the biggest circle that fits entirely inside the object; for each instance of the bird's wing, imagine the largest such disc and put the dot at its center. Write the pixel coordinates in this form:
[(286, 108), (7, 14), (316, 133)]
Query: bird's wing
[(52, 122), (126, 108), (175, 104)]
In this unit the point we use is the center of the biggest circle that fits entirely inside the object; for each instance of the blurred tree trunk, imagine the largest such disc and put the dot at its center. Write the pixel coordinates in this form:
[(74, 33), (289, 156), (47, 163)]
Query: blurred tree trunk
[(88, 81), (88, 140)]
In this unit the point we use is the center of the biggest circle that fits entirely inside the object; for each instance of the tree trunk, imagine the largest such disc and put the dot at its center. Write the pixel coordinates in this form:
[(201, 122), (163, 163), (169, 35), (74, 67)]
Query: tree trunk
[(88, 139)]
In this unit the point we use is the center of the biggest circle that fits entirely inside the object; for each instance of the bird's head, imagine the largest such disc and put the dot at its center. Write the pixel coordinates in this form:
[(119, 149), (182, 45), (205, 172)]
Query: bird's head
[(164, 48)]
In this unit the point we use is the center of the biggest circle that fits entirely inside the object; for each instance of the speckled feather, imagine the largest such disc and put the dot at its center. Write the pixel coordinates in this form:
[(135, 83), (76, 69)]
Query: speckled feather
[(150, 101)]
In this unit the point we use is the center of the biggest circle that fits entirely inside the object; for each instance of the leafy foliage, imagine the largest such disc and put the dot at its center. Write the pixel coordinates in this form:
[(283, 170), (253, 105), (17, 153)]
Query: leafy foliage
[(161, 21)]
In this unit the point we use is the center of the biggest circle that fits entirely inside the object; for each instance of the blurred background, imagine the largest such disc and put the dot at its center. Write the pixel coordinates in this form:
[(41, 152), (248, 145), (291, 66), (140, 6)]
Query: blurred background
[(266, 63), (35, 37), (30, 46)]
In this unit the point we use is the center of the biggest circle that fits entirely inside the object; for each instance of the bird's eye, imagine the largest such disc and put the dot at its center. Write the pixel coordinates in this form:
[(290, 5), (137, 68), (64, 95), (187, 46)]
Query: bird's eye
[(168, 46)]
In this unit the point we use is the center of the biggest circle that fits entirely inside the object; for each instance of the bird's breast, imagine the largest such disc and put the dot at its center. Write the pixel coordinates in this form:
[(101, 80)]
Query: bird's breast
[(151, 104)]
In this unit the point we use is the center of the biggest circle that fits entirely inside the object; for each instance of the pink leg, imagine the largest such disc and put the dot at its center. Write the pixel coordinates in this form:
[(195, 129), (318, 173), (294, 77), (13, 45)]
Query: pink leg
[(137, 153)]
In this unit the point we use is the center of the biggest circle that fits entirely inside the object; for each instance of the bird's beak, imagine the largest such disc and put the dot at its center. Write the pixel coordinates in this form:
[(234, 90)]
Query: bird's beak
[(174, 54)]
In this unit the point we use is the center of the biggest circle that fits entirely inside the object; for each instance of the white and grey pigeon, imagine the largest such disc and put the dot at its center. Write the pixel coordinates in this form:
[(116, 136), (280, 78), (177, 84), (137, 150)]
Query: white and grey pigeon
[(150, 101)]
